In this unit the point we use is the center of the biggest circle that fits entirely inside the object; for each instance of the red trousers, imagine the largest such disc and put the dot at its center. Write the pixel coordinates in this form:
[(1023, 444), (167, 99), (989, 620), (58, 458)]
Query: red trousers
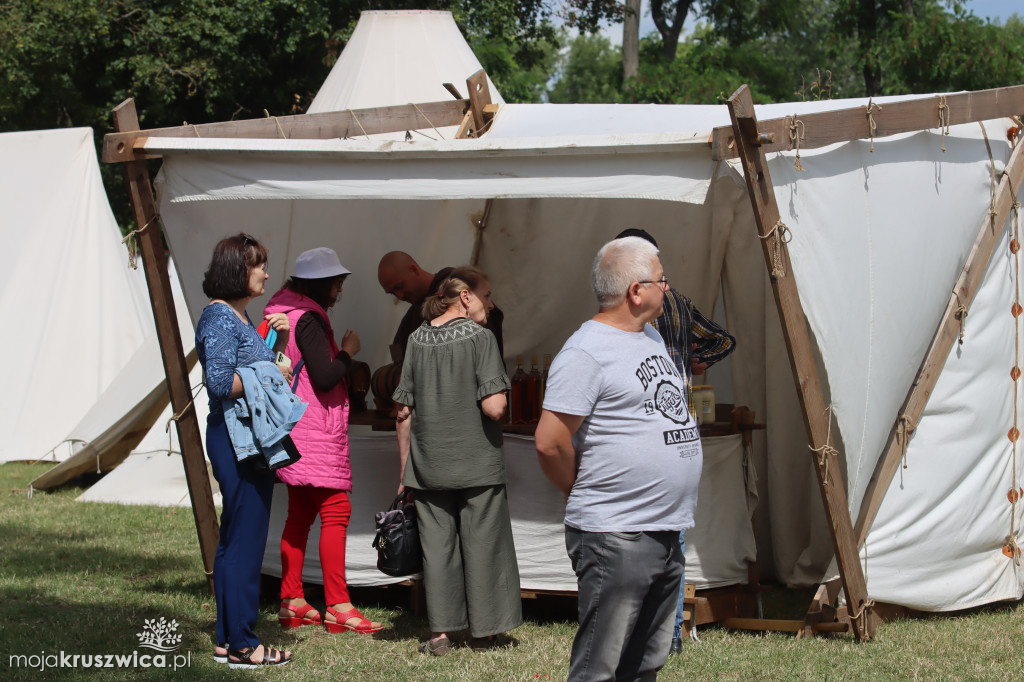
[(334, 508)]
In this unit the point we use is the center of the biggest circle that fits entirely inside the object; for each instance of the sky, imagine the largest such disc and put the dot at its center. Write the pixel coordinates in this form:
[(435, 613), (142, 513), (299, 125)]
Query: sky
[(991, 9)]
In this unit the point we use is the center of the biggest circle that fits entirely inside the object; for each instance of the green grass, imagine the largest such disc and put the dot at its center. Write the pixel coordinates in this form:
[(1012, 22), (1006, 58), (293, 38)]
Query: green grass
[(82, 578)]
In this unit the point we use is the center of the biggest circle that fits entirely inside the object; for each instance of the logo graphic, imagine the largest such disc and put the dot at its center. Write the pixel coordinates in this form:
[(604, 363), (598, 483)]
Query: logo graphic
[(159, 635), (669, 401)]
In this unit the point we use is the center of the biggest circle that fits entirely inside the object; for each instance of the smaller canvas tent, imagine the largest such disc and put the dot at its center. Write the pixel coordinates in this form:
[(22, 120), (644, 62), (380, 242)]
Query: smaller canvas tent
[(77, 313), (396, 58)]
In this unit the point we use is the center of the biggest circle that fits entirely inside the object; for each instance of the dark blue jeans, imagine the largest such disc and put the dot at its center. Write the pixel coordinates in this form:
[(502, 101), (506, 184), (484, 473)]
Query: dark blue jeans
[(628, 586), (680, 604), (244, 522)]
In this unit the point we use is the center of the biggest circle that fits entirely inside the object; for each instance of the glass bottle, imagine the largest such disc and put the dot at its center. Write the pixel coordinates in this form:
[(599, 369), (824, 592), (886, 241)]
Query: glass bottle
[(518, 392), (544, 379), (532, 407)]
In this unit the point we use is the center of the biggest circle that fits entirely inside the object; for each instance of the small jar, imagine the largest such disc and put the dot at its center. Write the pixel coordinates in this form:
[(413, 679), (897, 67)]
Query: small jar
[(698, 402), (707, 406)]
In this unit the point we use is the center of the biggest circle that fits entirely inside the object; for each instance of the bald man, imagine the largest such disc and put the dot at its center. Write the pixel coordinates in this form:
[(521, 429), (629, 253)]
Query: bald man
[(400, 275)]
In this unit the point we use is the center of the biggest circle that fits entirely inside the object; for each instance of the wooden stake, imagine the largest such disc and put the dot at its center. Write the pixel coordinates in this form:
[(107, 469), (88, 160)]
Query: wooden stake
[(798, 342), (964, 291), (479, 97), (155, 259)]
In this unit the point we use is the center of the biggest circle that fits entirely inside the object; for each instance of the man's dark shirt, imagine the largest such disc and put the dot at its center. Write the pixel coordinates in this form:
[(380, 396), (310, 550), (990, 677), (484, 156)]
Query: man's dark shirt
[(414, 317)]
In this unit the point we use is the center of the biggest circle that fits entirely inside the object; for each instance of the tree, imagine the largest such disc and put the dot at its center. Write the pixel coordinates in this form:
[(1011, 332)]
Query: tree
[(591, 71)]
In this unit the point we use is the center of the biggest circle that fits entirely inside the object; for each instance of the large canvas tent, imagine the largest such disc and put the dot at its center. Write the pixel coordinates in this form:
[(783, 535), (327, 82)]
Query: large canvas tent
[(78, 314), (876, 232)]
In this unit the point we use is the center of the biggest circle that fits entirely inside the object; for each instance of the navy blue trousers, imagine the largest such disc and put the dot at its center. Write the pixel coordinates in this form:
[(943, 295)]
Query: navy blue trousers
[(244, 522)]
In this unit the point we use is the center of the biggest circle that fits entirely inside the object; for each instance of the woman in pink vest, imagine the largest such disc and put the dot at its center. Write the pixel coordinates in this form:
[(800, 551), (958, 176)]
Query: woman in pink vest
[(320, 482)]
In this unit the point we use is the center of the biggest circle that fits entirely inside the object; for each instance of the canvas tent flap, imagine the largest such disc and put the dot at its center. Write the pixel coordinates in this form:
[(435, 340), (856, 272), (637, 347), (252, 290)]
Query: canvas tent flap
[(82, 312)]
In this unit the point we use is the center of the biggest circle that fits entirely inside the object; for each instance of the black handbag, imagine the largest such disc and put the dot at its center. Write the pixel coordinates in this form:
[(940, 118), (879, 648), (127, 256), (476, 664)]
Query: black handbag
[(398, 540)]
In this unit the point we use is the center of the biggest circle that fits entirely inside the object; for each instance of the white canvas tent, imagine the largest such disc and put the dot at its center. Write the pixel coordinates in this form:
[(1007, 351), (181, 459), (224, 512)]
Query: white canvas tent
[(878, 240), (77, 313)]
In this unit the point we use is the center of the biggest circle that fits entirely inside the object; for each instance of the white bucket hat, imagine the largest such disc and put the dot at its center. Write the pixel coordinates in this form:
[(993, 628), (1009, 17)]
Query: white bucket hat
[(318, 264)]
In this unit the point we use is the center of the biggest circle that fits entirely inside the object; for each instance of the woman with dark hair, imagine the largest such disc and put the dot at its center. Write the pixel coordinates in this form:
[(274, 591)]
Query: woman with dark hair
[(320, 482), (226, 341), (450, 400)]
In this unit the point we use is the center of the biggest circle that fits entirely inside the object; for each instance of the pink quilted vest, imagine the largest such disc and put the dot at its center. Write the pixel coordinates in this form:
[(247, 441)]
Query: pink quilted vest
[(321, 436)]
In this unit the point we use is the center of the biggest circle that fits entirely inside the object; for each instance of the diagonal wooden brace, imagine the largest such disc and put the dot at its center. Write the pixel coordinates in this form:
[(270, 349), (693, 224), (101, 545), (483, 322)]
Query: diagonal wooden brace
[(798, 343)]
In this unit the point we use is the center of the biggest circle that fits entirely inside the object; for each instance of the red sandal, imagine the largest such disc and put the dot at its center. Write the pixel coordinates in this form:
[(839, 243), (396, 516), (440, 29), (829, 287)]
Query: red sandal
[(365, 627), (300, 618)]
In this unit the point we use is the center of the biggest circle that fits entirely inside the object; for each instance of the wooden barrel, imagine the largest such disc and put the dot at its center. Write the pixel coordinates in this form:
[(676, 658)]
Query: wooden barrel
[(384, 382)]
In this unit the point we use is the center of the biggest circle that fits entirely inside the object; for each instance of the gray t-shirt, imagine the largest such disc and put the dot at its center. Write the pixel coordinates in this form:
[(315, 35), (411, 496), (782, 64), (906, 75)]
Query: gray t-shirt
[(638, 449)]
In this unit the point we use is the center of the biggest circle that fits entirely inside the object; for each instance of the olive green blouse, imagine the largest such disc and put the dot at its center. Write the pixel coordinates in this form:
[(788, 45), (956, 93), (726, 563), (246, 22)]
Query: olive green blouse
[(446, 372)]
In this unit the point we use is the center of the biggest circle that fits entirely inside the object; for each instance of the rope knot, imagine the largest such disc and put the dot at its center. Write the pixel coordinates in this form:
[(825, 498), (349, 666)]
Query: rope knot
[(904, 427), (779, 234), (132, 243), (943, 120), (961, 315), (796, 133), (872, 109)]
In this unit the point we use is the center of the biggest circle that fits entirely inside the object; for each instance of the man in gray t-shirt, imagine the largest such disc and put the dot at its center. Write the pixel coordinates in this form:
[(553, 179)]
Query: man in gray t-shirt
[(617, 439)]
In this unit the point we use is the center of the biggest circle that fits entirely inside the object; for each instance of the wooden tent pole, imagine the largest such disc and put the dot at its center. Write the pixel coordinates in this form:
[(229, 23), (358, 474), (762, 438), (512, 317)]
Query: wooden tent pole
[(817, 419), (155, 259), (948, 331)]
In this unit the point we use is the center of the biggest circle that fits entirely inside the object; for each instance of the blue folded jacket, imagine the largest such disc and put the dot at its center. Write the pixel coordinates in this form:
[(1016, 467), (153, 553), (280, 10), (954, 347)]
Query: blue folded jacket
[(258, 422)]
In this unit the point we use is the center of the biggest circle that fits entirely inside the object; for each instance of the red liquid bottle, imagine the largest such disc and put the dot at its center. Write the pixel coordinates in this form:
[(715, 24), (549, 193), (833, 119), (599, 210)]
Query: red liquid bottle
[(532, 407), (518, 401)]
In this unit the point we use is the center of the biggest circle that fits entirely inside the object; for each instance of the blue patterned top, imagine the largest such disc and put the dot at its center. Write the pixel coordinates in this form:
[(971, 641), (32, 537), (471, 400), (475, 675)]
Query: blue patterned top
[(223, 342)]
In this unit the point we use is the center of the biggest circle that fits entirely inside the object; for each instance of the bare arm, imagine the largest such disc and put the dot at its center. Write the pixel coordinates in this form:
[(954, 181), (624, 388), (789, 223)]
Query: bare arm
[(555, 450), (403, 429), (493, 405)]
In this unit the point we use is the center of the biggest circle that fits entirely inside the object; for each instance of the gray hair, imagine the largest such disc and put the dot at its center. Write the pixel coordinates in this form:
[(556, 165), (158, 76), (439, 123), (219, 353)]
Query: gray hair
[(618, 264)]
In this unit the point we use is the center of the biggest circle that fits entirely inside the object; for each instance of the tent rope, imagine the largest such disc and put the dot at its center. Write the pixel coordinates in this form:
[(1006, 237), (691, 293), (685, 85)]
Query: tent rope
[(864, 607), (943, 120), (796, 133), (904, 427), (826, 450), (993, 174), (961, 315), (279, 128), (195, 130), (780, 235), (356, 119), (420, 112), (872, 109), (132, 242), (177, 417)]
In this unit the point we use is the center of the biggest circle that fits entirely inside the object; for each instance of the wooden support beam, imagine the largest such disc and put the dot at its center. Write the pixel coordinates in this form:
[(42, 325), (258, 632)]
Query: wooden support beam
[(948, 331), (801, 356), (120, 146), (155, 259), (479, 98), (842, 125)]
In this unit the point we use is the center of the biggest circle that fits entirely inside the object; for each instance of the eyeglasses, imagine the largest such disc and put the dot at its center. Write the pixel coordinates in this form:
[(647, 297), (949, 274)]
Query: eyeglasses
[(663, 282)]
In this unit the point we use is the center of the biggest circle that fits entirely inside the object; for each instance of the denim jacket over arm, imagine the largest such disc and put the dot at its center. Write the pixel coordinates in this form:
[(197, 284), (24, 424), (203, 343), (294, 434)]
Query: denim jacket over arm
[(258, 422)]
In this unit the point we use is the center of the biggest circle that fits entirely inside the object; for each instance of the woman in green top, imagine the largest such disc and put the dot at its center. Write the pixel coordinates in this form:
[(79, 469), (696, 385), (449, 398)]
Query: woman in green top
[(450, 400)]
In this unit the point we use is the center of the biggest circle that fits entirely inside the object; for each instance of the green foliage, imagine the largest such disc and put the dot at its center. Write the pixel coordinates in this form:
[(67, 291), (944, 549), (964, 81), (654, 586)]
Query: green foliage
[(939, 51), (591, 71)]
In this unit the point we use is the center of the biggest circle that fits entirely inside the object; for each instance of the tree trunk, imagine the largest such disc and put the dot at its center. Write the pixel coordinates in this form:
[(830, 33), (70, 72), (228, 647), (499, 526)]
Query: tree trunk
[(631, 40), (867, 35), (670, 30)]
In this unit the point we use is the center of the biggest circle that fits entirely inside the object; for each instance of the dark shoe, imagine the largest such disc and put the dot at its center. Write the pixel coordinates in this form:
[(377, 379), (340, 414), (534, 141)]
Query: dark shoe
[(438, 647), (242, 658), (677, 645), (484, 643)]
